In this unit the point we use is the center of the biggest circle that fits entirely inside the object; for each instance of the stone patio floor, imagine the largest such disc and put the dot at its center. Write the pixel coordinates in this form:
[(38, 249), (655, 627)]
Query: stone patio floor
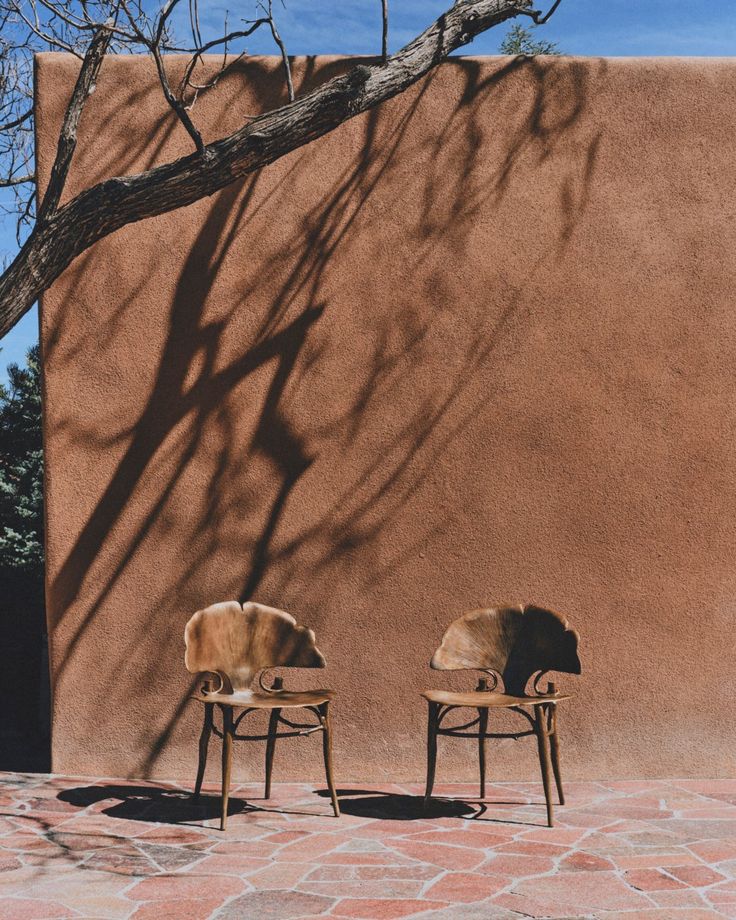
[(72, 847)]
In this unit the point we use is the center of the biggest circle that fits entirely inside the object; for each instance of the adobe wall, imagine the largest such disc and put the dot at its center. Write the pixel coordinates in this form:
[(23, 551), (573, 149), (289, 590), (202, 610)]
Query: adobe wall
[(476, 346)]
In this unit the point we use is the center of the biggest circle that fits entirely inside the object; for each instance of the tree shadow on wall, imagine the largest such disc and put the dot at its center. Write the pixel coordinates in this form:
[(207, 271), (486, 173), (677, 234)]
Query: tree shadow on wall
[(195, 416)]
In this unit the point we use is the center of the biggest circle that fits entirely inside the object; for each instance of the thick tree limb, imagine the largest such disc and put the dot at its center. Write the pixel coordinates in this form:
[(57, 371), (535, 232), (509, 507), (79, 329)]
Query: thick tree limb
[(83, 88), (104, 208)]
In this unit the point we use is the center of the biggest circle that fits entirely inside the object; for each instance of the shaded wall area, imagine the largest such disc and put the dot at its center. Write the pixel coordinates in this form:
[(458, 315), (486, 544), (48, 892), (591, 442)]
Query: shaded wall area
[(475, 346), (24, 676)]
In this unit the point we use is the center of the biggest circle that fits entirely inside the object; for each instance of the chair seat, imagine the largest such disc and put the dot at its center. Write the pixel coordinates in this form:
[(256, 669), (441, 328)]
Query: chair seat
[(485, 700), (276, 699)]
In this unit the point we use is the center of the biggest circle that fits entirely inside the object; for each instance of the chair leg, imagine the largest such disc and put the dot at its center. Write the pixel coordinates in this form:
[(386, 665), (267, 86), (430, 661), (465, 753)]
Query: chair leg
[(482, 729), (324, 712), (540, 727), (554, 743), (227, 759), (204, 741), (270, 746), (431, 749)]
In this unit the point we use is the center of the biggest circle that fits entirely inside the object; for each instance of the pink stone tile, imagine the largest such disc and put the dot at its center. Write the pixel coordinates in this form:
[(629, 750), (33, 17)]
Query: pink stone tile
[(383, 909), (18, 883), (236, 837), (587, 862), (567, 836), (281, 837), (175, 835), (515, 866), (258, 848), (387, 858), (448, 857), (29, 909), (404, 889), (714, 851), (710, 813), (568, 893), (169, 888), (668, 913), (587, 819), (71, 887), (508, 821), (101, 907), (311, 847), (654, 860), (395, 828), (466, 886), (28, 843), (683, 897), (651, 880), (229, 864), (179, 909), (526, 847), (708, 786), (470, 837), (421, 871), (696, 876), (722, 899), (280, 875)]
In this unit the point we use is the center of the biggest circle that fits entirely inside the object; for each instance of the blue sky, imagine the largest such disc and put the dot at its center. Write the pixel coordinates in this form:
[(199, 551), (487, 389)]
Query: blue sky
[(584, 27)]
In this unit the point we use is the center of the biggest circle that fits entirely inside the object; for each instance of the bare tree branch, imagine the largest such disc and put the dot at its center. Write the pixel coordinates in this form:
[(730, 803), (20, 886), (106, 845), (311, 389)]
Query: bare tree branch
[(10, 181), (176, 104), (384, 31), (16, 122), (537, 16), (109, 205), (83, 88), (282, 49)]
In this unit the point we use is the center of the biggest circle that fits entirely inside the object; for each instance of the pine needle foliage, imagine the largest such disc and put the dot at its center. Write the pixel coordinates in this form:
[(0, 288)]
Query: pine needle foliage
[(21, 473), (521, 40)]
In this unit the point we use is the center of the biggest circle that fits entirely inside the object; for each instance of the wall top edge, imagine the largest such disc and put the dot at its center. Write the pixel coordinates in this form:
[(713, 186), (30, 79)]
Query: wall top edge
[(622, 60)]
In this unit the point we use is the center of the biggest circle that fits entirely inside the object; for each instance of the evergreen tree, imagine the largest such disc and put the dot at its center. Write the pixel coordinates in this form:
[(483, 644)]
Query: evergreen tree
[(21, 474), (520, 40), (24, 726)]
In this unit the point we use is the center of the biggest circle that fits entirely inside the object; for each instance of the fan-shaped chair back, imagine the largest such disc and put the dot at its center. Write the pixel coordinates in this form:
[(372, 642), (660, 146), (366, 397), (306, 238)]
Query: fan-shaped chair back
[(514, 642), (238, 642)]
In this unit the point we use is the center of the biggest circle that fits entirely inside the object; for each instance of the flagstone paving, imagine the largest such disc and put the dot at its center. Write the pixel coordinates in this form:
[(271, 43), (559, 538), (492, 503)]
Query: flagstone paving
[(660, 850)]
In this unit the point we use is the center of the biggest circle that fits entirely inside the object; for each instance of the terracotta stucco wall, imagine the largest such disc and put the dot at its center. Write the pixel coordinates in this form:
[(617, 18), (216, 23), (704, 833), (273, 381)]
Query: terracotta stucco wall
[(476, 346)]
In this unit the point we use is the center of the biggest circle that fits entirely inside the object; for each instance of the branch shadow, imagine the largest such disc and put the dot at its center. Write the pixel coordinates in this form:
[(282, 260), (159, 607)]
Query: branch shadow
[(194, 405)]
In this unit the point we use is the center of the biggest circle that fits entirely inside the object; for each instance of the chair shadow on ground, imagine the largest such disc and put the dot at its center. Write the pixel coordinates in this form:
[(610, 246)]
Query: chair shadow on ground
[(177, 806), (153, 803), (391, 806)]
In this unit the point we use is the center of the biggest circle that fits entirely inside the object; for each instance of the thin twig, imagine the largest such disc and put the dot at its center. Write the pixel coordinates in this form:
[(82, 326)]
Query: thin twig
[(536, 15), (284, 60), (384, 35), (176, 104), (16, 122)]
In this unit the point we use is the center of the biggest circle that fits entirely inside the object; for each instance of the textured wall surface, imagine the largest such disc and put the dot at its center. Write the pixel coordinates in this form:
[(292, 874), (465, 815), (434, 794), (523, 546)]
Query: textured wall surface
[(476, 346)]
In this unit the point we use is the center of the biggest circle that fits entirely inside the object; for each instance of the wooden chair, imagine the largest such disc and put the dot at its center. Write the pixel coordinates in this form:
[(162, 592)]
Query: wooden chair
[(511, 643), (235, 644)]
